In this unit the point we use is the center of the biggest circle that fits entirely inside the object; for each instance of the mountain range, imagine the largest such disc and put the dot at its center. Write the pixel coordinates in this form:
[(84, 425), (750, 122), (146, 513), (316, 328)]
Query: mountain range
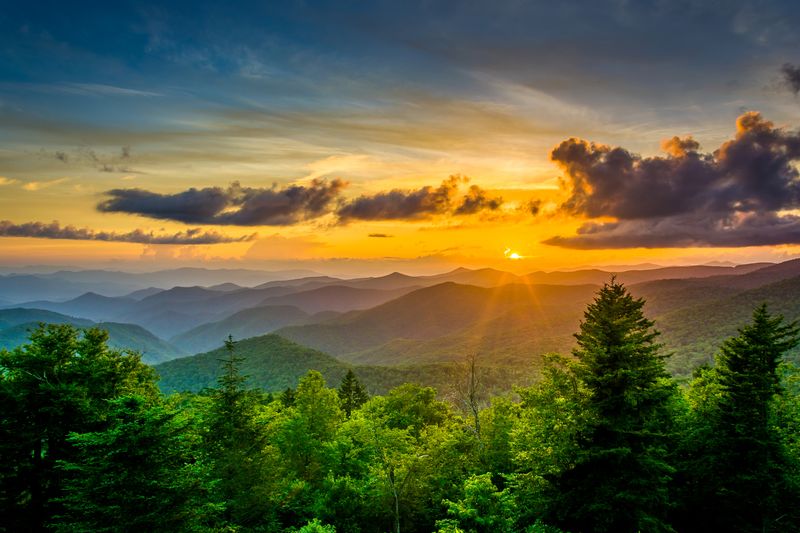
[(399, 324)]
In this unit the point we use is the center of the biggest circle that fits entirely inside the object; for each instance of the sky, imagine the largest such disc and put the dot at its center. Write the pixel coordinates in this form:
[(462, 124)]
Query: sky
[(367, 137)]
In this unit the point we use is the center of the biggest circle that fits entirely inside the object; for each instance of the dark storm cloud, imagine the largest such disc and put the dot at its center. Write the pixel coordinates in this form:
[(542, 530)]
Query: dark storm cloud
[(791, 77), (731, 197), (399, 204), (235, 205), (54, 230)]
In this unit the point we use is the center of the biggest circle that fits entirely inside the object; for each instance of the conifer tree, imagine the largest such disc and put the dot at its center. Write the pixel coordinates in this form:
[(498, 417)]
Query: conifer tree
[(618, 481), (352, 393), (737, 471), (235, 445)]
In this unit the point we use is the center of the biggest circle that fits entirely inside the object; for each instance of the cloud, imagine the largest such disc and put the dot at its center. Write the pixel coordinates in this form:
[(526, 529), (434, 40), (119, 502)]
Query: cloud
[(235, 205), (87, 156), (532, 207), (477, 200), (39, 185), (380, 235), (738, 195), (98, 89), (7, 181), (428, 201), (791, 77), (54, 230)]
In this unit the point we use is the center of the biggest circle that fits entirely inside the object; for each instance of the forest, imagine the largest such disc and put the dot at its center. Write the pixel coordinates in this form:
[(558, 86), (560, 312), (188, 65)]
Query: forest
[(604, 440)]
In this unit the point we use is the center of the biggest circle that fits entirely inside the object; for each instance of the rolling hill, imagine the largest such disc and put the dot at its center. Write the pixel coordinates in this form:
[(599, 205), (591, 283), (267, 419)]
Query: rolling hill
[(16, 325), (337, 298), (442, 310), (244, 324), (274, 363)]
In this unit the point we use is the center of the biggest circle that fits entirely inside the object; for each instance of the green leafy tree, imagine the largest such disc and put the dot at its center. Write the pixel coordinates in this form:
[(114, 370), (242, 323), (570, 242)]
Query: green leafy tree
[(352, 393), (483, 509), (60, 382), (618, 477), (738, 470), (138, 474)]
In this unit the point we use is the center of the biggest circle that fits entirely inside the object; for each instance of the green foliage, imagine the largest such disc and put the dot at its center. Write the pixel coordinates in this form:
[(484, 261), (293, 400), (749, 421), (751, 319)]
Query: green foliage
[(140, 467), (616, 478), (352, 393), (738, 470), (483, 509), (88, 444), (59, 383)]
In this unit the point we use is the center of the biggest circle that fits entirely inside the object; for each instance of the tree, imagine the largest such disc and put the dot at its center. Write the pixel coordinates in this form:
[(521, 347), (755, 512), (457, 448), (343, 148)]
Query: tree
[(483, 509), (469, 390), (617, 479), (60, 382), (138, 474), (737, 468), (235, 446), (352, 393)]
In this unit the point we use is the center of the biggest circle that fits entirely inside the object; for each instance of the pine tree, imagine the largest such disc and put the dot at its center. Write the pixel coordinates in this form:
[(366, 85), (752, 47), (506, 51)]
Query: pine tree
[(58, 383), (138, 474), (737, 470), (235, 446), (352, 393), (619, 478)]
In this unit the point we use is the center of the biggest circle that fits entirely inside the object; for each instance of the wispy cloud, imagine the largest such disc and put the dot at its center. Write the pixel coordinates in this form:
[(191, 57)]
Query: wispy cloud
[(54, 230), (39, 185), (7, 181)]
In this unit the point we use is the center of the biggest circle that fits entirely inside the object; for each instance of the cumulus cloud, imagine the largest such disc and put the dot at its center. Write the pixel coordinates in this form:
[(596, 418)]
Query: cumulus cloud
[(738, 195), (399, 204), (54, 230), (791, 77), (234, 205)]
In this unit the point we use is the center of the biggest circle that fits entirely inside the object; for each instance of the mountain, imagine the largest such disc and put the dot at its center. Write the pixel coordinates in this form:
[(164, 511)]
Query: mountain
[(273, 363), (89, 305), (14, 317), (630, 277), (244, 324), (337, 298), (143, 293), (16, 325), (310, 282), (440, 311), (695, 332)]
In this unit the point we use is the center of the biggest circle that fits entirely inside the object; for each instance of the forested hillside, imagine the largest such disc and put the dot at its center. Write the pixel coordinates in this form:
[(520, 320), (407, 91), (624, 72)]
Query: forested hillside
[(603, 441)]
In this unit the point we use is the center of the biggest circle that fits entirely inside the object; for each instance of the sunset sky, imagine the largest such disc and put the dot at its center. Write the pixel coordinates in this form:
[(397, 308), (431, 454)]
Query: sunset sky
[(366, 137)]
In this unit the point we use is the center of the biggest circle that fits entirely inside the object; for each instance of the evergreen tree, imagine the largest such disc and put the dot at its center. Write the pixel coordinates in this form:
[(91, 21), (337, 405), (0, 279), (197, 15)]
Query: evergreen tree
[(737, 472), (58, 383), (236, 446), (138, 474), (352, 393), (617, 480)]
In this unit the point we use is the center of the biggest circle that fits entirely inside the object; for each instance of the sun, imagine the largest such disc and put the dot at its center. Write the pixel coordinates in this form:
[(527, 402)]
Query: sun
[(510, 254)]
